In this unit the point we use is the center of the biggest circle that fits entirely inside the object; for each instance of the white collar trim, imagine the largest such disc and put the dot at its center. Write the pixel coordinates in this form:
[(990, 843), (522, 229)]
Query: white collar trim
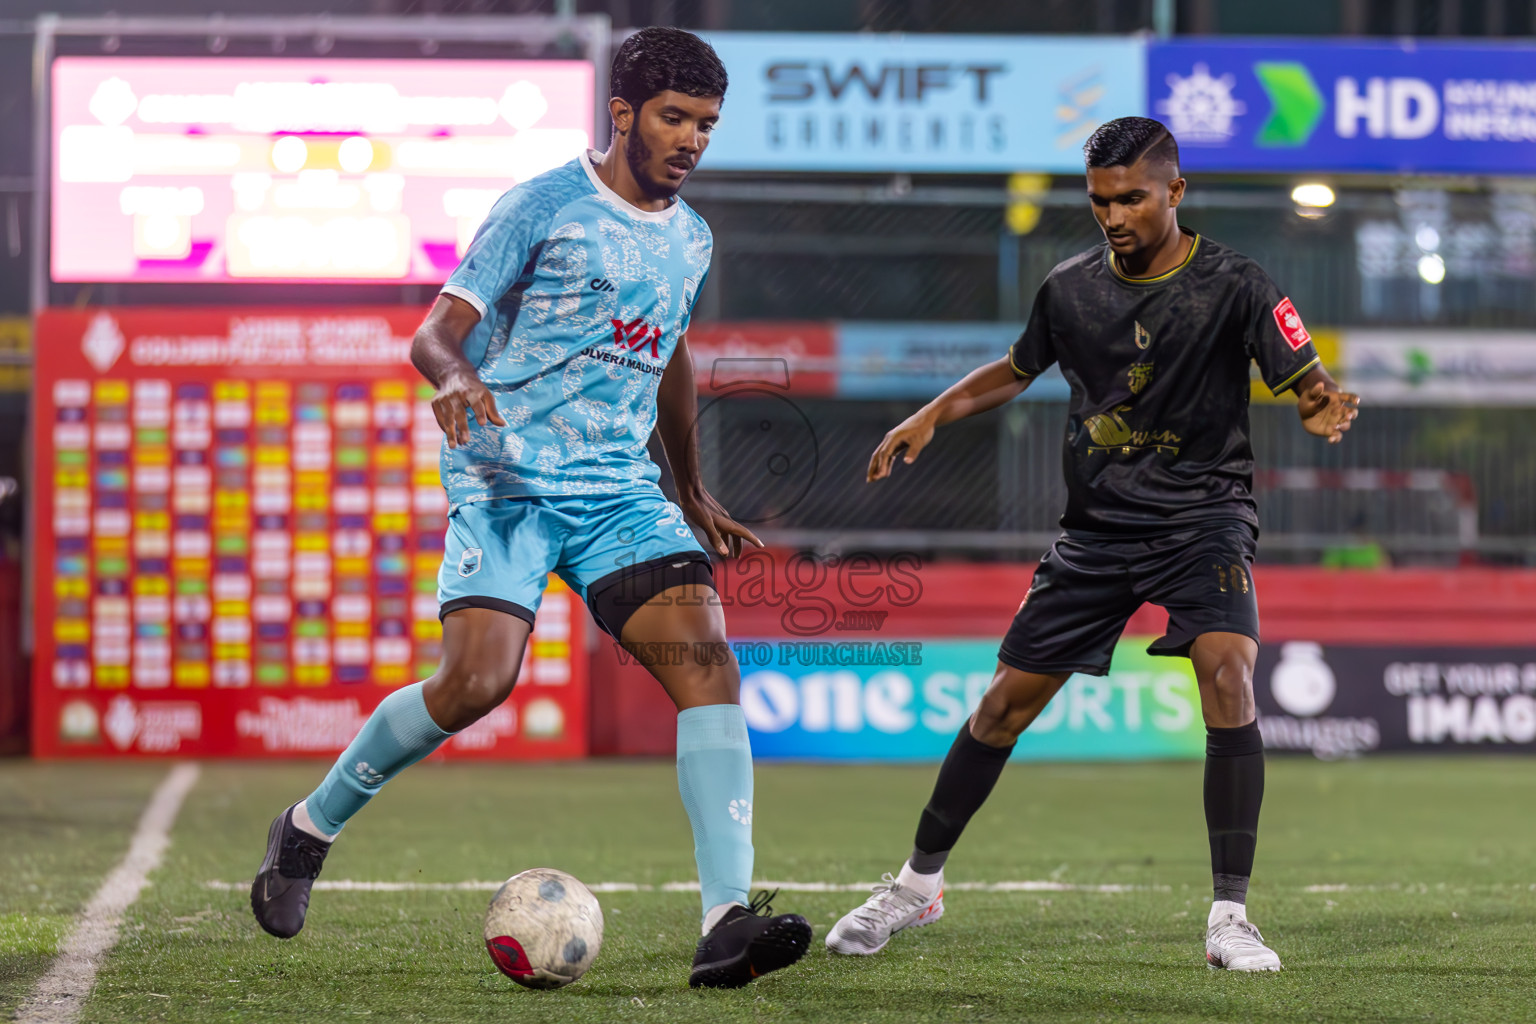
[(591, 157)]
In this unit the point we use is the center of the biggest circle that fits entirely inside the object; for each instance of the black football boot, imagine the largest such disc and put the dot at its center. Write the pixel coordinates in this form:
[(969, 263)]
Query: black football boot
[(747, 943), (280, 893)]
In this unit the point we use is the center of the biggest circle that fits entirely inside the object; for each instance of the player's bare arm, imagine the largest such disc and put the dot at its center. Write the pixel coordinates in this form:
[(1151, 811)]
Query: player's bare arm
[(1325, 409), (677, 421), (437, 352), (986, 387)]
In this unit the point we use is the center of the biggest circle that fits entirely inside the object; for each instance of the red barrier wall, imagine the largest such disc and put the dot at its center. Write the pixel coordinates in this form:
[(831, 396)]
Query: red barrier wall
[(1456, 607)]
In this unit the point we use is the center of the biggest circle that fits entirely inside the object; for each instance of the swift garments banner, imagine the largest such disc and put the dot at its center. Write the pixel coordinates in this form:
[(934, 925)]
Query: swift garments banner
[(804, 101), (239, 527)]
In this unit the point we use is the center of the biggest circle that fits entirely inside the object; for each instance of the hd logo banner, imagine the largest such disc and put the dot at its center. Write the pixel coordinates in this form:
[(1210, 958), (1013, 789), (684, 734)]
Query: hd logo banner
[(1274, 105), (829, 102)]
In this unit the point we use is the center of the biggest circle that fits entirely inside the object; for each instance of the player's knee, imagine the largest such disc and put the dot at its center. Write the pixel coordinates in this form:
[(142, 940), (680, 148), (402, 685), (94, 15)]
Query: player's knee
[(1000, 718), (703, 681), (1234, 673), (470, 692)]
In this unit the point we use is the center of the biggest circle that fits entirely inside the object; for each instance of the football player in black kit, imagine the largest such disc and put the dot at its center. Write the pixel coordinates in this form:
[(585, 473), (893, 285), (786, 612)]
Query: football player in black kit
[(1154, 330)]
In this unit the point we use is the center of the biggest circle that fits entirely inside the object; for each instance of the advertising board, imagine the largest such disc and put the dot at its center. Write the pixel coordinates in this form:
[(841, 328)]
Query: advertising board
[(1345, 700), (188, 169), (238, 530), (829, 102), (904, 700), (1275, 105)]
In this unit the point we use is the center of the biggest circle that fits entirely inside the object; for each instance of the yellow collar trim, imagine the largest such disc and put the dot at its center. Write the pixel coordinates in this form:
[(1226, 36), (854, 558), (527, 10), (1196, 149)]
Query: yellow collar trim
[(1160, 277)]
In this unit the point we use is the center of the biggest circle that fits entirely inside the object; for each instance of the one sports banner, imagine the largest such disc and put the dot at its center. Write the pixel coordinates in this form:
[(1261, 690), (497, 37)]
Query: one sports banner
[(1275, 105), (904, 700), (239, 526)]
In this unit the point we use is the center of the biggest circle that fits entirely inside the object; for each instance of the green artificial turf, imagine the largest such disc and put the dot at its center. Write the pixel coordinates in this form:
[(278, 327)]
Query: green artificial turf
[(62, 828), (1434, 921)]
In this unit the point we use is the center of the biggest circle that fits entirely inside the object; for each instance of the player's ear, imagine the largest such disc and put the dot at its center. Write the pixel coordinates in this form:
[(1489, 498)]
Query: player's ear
[(622, 113), (1175, 192)]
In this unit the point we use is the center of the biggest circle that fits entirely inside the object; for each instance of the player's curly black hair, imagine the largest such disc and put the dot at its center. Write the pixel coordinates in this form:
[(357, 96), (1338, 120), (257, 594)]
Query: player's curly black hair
[(1125, 140), (655, 60)]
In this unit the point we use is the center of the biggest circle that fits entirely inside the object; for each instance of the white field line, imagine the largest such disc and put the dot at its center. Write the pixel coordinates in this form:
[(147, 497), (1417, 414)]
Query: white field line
[(60, 995), (349, 885)]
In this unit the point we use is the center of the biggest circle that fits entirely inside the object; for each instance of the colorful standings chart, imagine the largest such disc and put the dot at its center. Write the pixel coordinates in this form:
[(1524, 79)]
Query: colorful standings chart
[(238, 529)]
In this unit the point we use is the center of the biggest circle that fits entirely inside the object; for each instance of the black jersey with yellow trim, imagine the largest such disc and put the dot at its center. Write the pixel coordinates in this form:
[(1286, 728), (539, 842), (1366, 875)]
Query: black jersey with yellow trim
[(1157, 428)]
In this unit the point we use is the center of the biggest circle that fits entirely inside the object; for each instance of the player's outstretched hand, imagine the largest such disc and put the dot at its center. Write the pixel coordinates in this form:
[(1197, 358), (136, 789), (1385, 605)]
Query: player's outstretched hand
[(457, 396), (913, 434), (1327, 413), (725, 534)]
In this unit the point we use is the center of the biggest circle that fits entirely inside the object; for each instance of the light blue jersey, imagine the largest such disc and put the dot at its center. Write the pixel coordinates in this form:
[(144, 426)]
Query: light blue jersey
[(582, 299)]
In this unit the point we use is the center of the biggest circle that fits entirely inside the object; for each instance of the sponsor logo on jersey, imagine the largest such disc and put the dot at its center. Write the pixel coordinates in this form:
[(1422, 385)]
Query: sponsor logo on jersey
[(1143, 336), (633, 336), (1289, 322), (602, 284), (469, 562), (1109, 432)]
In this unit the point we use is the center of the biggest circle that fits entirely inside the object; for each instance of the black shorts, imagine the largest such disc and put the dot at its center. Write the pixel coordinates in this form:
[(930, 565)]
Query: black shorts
[(1087, 587)]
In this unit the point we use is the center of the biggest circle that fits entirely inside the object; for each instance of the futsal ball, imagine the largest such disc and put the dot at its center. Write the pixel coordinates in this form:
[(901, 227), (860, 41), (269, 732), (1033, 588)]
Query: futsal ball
[(543, 928)]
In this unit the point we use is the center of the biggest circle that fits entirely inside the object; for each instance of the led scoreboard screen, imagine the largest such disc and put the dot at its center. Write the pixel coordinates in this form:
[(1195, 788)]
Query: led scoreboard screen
[(193, 169)]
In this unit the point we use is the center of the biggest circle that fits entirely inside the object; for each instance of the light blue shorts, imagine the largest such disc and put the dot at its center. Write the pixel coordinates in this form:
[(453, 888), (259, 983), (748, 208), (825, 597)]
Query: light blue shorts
[(498, 554)]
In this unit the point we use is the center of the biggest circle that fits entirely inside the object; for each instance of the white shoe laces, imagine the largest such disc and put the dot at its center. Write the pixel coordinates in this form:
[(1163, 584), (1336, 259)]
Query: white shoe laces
[(886, 901), (1238, 934)]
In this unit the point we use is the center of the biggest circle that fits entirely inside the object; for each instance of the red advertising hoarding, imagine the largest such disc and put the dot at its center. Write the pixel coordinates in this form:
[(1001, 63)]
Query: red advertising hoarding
[(239, 525)]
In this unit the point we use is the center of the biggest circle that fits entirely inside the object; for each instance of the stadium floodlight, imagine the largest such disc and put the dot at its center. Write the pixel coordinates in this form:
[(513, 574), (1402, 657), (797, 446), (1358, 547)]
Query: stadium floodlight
[(1313, 195), (1431, 268)]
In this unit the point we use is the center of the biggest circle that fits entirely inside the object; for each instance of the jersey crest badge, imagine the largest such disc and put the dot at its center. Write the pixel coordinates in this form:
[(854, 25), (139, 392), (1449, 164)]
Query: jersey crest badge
[(469, 562), (1138, 377), (1291, 327), (1143, 336)]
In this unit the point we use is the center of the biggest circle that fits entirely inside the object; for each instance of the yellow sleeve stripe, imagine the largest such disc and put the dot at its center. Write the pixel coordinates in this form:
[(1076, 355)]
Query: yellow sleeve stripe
[(1293, 378), (1015, 365)]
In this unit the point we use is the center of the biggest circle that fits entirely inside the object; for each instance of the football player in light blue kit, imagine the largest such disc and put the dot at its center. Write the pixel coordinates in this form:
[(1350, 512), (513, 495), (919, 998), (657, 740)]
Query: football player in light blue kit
[(556, 347)]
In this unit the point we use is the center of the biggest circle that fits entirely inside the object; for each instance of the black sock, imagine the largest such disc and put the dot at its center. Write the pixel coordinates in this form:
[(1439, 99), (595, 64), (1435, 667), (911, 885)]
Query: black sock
[(1234, 789), (969, 772)]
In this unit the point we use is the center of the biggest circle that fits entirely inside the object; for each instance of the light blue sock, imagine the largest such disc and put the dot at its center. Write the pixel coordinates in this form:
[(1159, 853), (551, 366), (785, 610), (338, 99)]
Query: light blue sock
[(714, 776), (397, 735)]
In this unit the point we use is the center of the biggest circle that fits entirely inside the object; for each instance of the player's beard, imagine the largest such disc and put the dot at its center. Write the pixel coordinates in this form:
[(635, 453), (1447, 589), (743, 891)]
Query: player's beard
[(637, 154)]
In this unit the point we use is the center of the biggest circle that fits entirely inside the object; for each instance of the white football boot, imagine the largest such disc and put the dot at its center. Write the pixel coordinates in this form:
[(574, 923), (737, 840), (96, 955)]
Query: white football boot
[(890, 908), (1234, 944)]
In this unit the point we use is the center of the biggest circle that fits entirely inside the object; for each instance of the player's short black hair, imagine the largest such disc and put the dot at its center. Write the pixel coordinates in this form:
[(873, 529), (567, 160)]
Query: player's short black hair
[(1125, 140), (656, 59)]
